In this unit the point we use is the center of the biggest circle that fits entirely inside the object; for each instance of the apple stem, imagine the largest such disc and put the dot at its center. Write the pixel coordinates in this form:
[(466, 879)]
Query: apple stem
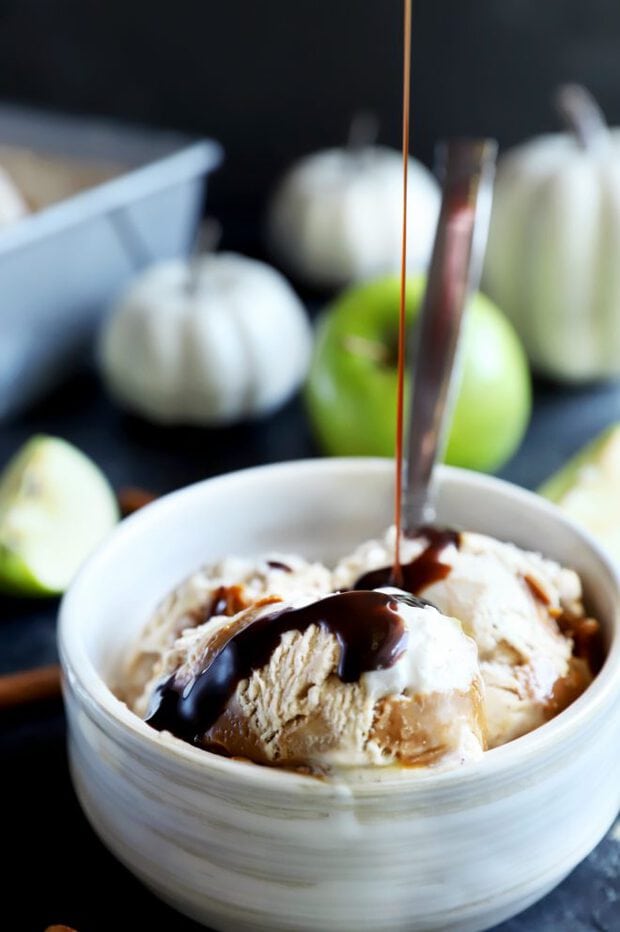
[(366, 349), (583, 116)]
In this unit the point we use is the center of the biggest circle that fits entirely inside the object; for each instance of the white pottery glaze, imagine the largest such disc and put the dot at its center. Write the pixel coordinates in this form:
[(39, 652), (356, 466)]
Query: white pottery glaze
[(241, 847)]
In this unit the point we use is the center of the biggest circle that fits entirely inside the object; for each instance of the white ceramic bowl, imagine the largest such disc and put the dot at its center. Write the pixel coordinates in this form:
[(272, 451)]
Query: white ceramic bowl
[(242, 847)]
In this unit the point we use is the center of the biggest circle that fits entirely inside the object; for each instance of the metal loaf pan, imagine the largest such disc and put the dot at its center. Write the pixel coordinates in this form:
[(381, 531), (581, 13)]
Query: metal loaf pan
[(62, 266)]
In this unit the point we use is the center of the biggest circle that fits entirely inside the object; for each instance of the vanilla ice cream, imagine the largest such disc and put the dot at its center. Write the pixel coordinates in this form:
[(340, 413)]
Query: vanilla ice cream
[(351, 680), (287, 663), (222, 588), (510, 602)]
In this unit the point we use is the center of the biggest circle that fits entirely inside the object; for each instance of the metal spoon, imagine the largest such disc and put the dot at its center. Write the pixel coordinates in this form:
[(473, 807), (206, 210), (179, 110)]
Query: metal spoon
[(468, 168)]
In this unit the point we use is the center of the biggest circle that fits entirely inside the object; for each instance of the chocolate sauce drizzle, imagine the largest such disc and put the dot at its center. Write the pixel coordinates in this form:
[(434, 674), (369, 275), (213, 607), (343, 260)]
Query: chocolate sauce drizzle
[(369, 630), (422, 572)]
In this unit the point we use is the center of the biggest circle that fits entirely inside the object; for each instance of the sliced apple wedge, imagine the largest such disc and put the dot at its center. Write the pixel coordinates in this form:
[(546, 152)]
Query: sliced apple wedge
[(55, 506), (588, 488)]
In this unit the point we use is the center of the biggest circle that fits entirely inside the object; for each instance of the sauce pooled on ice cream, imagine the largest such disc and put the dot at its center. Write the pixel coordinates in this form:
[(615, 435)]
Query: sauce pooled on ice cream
[(369, 630), (426, 569)]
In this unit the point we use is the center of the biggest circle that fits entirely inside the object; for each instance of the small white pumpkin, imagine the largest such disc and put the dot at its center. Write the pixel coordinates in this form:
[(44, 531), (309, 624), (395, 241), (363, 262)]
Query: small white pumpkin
[(210, 341), (336, 217), (552, 261)]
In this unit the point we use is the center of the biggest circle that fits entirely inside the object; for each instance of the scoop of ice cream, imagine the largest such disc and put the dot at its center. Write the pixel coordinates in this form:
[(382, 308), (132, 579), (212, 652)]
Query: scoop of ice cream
[(351, 680), (509, 601), (223, 588)]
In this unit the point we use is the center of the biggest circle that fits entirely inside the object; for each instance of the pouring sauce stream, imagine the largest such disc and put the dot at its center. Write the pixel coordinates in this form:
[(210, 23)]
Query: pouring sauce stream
[(397, 574)]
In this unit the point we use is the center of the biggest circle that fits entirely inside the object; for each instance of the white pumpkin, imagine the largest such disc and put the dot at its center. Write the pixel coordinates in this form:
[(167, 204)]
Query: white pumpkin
[(336, 217), (552, 261), (210, 341)]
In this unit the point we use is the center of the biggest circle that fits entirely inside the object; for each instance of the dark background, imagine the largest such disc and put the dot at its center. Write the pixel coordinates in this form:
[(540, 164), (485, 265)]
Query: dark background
[(277, 78)]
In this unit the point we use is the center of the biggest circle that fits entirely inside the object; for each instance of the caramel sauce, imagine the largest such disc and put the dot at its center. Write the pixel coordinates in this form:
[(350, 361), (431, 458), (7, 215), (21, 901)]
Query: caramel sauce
[(536, 589), (369, 630), (420, 573), (569, 687), (421, 729), (226, 600), (396, 574), (587, 637)]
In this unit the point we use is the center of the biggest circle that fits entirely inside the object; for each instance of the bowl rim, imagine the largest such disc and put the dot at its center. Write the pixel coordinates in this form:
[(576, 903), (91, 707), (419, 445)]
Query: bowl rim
[(79, 670)]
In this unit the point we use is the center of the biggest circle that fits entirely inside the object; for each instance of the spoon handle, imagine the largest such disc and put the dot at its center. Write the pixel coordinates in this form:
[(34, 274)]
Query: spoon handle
[(468, 168)]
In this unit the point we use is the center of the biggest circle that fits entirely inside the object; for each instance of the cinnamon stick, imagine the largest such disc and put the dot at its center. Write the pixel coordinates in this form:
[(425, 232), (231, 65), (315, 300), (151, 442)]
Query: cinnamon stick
[(29, 686), (132, 498)]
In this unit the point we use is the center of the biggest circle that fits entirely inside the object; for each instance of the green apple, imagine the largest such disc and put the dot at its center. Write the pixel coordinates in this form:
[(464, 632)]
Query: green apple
[(55, 506), (351, 390), (588, 488)]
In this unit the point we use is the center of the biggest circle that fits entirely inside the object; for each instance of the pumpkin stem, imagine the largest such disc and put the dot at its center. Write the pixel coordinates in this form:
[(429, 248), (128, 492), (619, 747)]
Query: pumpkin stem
[(583, 116), (208, 236), (363, 131)]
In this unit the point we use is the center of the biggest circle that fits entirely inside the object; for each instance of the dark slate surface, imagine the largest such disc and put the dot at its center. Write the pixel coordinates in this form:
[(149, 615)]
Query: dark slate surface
[(59, 872)]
